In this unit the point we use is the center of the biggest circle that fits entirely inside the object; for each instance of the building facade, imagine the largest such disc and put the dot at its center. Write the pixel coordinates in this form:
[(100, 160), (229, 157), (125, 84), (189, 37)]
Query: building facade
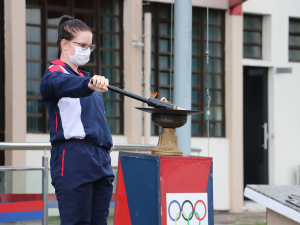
[(253, 65)]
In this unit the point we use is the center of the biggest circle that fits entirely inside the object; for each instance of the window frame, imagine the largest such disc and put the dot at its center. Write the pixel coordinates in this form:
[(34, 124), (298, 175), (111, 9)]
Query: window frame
[(291, 47), (95, 66), (254, 30), (43, 113), (156, 20)]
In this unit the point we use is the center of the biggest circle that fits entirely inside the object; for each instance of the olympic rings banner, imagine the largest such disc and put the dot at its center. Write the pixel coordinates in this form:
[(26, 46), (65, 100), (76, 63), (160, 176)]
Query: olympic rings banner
[(187, 209), (164, 190)]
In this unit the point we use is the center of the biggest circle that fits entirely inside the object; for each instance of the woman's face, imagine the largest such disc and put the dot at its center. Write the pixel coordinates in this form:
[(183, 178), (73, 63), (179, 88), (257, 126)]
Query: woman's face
[(82, 37)]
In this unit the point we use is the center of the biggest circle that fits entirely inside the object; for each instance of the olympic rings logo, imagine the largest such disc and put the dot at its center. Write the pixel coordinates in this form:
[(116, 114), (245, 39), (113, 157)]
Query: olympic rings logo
[(184, 215)]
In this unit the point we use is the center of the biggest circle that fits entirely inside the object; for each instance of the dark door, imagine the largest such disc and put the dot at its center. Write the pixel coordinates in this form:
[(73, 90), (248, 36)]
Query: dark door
[(255, 125)]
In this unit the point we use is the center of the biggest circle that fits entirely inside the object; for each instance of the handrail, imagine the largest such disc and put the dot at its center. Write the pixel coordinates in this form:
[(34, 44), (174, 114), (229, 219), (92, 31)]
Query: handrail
[(47, 146), (45, 180), (18, 168), (45, 168)]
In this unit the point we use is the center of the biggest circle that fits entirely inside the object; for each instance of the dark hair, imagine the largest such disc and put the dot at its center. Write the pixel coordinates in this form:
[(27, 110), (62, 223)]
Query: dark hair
[(68, 27)]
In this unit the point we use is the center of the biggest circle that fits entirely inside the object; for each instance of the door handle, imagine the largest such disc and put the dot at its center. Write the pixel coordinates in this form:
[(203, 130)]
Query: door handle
[(266, 136)]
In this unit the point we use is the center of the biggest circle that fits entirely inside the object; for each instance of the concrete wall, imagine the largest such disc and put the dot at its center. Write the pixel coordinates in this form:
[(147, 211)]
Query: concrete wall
[(275, 218), (15, 89), (15, 78), (234, 107), (284, 104), (132, 70), (284, 107), (219, 147)]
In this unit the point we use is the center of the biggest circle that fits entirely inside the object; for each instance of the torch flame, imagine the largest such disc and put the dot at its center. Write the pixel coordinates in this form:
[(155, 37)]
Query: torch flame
[(164, 99), (153, 94)]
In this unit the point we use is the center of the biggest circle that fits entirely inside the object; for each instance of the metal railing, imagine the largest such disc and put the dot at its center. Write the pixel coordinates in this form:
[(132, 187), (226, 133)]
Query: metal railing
[(45, 165), (47, 146), (45, 178)]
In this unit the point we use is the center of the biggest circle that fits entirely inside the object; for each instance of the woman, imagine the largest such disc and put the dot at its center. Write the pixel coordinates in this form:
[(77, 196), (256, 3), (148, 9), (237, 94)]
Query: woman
[(81, 141)]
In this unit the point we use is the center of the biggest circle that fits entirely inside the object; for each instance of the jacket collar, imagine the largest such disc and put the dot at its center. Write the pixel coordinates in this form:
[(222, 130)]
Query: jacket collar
[(61, 63)]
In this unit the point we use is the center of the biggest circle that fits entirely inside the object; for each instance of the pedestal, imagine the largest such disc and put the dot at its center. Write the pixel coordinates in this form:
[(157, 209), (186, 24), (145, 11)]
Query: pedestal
[(164, 190), (167, 143)]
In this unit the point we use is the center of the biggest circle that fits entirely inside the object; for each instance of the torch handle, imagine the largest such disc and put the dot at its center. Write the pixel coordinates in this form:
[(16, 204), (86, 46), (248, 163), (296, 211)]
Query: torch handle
[(152, 102), (126, 93)]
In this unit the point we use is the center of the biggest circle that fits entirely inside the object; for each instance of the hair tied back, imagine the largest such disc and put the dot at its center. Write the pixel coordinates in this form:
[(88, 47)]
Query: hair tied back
[(65, 18)]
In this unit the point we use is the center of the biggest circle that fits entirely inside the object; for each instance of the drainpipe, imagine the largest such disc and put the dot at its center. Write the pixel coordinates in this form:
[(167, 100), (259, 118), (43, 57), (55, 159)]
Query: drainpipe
[(183, 67)]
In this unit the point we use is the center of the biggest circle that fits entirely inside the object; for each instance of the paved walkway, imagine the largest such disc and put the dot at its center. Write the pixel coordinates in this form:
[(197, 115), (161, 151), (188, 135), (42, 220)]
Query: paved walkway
[(220, 219), (247, 218)]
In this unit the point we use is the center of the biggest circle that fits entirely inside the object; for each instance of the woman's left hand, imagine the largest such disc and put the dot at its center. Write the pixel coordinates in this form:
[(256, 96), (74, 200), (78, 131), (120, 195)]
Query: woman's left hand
[(99, 84)]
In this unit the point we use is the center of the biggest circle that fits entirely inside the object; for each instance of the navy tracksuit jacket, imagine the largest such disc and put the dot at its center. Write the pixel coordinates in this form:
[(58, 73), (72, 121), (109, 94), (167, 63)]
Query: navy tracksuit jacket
[(81, 141)]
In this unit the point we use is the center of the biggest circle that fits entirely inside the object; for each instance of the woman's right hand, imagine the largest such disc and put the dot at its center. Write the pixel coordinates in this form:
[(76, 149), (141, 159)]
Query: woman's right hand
[(99, 84)]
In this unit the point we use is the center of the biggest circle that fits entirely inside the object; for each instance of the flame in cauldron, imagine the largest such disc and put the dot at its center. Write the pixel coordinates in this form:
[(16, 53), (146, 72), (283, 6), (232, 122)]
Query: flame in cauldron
[(153, 94), (164, 99)]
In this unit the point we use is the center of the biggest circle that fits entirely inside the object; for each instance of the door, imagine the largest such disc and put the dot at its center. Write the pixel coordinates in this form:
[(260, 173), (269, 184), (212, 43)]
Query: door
[(255, 125)]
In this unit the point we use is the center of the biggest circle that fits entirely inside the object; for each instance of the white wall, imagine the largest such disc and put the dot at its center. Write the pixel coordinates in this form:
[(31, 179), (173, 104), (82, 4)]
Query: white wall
[(219, 150), (284, 91)]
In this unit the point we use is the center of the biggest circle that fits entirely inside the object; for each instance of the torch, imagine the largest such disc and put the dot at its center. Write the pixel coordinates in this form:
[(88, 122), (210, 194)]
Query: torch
[(152, 102)]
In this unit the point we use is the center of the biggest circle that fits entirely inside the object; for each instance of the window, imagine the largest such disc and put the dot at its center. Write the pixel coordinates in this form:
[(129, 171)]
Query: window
[(162, 76), (252, 36), (36, 113), (104, 17), (294, 40)]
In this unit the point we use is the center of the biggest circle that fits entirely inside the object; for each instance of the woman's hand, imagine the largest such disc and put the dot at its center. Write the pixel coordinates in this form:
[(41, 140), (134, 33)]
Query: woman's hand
[(99, 84)]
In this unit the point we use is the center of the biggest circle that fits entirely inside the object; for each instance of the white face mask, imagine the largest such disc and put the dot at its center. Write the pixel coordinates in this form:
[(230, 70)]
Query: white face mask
[(80, 57)]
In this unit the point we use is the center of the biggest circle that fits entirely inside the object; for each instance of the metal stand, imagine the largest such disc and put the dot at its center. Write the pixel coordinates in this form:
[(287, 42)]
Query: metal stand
[(45, 190)]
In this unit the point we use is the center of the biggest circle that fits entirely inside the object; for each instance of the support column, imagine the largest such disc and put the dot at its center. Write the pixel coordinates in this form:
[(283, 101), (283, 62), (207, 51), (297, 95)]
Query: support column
[(15, 78), (147, 74), (183, 67), (15, 86), (234, 107), (132, 70)]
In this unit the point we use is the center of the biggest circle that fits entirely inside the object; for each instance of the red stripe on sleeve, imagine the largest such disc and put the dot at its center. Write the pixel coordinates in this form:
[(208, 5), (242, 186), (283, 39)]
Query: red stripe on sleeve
[(62, 164), (55, 68)]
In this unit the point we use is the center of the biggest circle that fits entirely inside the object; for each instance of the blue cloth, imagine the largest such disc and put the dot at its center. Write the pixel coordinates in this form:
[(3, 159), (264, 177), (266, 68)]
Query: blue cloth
[(82, 177), (75, 111)]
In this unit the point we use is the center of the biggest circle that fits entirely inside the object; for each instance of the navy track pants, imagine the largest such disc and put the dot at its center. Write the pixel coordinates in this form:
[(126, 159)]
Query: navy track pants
[(82, 177)]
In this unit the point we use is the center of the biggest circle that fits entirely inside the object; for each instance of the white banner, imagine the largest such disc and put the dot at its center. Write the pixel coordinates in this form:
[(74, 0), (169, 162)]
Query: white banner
[(182, 207)]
